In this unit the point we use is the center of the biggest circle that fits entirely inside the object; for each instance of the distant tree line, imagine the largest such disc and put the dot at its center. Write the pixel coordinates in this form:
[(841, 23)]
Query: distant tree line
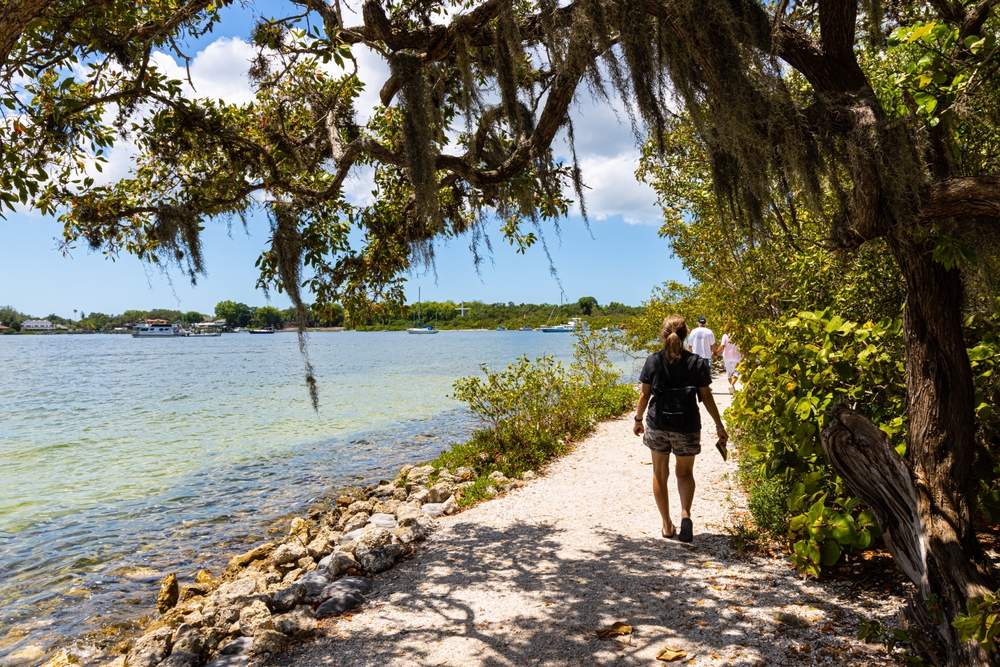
[(443, 314), (479, 315)]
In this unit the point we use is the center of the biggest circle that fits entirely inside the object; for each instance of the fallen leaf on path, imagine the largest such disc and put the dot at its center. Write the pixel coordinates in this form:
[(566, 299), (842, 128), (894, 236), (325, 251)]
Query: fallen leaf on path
[(647, 463), (669, 654), (616, 630)]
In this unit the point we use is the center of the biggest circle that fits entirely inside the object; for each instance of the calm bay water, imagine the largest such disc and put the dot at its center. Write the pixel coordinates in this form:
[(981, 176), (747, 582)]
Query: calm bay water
[(123, 459)]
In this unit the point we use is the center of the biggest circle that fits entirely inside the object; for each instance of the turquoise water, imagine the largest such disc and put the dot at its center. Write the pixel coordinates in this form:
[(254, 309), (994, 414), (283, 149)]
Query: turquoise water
[(123, 459)]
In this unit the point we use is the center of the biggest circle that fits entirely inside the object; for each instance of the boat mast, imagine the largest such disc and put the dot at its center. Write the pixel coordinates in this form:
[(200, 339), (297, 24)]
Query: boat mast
[(418, 307)]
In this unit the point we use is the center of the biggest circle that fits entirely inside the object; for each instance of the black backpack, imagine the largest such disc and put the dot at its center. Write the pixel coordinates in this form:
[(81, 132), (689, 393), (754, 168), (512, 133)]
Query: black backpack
[(676, 404)]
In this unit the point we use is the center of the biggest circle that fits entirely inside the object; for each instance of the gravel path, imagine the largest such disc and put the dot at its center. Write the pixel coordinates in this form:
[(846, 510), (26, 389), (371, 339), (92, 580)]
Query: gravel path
[(528, 578)]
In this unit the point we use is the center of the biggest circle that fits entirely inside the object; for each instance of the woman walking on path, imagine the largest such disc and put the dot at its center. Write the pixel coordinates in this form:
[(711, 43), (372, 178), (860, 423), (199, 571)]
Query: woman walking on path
[(673, 381), (731, 356)]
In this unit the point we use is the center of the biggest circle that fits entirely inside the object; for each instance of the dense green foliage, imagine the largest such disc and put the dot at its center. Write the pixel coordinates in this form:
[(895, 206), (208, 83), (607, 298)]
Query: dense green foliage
[(799, 367), (532, 410), (479, 315)]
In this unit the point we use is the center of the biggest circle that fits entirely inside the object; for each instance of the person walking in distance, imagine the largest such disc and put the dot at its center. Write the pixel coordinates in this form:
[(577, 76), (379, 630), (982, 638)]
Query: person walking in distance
[(731, 356), (701, 341), (673, 381)]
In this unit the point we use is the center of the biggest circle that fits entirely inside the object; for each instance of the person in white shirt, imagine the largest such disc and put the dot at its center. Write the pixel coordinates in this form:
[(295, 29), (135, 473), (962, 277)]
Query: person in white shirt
[(731, 356), (701, 341)]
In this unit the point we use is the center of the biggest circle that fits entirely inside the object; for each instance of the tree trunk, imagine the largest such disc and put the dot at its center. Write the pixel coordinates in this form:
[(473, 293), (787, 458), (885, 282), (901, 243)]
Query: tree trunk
[(924, 509)]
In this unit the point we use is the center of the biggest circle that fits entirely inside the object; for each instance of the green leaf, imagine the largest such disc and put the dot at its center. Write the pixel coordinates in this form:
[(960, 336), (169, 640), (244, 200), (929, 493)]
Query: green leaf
[(830, 552)]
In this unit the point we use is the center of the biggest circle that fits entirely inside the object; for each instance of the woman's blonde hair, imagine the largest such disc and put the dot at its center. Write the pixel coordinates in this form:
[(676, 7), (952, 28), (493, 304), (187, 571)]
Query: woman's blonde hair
[(673, 332)]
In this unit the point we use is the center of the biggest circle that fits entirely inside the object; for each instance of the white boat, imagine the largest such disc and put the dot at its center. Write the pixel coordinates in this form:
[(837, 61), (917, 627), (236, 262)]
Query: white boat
[(575, 324), (205, 334), (158, 331), (269, 330), (419, 329), (525, 328)]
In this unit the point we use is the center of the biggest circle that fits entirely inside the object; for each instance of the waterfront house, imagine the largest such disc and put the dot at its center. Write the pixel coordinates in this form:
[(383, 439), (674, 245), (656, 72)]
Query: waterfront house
[(37, 325), (4, 329)]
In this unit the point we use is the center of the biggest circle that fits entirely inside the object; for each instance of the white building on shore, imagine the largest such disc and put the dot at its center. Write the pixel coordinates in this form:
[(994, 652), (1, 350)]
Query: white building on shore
[(37, 325)]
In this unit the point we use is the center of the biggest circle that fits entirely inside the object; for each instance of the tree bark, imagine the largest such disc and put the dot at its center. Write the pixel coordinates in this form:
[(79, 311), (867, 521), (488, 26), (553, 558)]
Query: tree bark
[(924, 509)]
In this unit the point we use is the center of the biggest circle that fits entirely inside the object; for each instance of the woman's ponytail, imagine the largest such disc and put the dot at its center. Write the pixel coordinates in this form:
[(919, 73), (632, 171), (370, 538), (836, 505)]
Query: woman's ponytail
[(672, 333)]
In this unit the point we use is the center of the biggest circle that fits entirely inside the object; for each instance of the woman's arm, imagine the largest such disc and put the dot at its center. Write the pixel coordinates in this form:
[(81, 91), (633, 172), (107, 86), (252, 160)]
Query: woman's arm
[(640, 410), (713, 411)]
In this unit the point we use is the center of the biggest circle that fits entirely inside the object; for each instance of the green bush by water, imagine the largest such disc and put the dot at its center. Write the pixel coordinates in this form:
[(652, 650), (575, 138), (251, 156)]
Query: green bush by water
[(532, 409)]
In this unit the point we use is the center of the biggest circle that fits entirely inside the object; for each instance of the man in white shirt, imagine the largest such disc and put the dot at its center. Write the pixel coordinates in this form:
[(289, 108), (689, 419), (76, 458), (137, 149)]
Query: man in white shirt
[(701, 341)]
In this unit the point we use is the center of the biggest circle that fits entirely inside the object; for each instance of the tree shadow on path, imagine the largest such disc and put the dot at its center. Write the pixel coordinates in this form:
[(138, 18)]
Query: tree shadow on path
[(526, 595)]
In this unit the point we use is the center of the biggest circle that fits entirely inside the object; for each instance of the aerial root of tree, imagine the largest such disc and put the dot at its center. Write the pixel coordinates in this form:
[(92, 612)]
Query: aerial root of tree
[(864, 457)]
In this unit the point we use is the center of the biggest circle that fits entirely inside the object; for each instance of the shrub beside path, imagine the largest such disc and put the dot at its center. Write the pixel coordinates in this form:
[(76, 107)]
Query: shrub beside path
[(527, 579)]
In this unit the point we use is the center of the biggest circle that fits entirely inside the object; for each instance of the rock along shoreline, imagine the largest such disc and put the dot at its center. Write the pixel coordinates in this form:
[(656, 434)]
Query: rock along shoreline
[(280, 590)]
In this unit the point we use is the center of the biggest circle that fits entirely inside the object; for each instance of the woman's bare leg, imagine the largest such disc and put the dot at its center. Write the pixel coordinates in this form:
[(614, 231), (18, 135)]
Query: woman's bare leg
[(661, 475), (684, 469)]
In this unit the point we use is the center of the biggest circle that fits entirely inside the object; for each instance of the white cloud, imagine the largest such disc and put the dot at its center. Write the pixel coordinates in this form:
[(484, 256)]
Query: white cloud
[(614, 190), (218, 72)]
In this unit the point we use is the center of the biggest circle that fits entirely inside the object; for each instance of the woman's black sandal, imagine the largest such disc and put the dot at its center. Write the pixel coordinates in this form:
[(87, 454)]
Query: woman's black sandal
[(687, 531)]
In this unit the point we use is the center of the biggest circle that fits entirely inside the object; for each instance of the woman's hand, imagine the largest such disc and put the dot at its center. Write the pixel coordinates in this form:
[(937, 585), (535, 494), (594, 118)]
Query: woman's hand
[(720, 431), (638, 428)]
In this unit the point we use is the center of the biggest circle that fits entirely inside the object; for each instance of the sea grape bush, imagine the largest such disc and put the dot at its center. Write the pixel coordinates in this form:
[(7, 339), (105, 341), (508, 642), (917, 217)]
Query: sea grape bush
[(797, 369), (801, 367), (531, 409)]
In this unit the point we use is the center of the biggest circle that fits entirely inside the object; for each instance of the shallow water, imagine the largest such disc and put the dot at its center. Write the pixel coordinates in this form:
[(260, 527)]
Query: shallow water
[(123, 459)]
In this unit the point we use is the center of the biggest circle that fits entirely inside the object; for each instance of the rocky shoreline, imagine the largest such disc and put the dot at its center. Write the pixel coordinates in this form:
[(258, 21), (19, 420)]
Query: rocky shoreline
[(280, 590)]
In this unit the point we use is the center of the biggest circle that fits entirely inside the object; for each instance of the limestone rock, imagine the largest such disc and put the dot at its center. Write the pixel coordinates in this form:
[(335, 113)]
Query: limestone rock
[(439, 492), (419, 475), (374, 536), (465, 473), (324, 542), (408, 514), (300, 530), (299, 621), (289, 553), (351, 536), (387, 521), (169, 592), (349, 547), (384, 490), (399, 494), (528, 475), (356, 521), (240, 646), (340, 563), (391, 506), (62, 659), (237, 563), (306, 564), (192, 591), (418, 495), (409, 534), (497, 476), (315, 582), (183, 659), (205, 577), (150, 649), (255, 618), (433, 509), (288, 598), (379, 559), (292, 575), (360, 506), (450, 506), (509, 486), (269, 641), (345, 594), (188, 640)]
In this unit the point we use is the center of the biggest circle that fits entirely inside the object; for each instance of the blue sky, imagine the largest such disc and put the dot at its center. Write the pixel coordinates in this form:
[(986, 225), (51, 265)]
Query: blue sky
[(619, 259)]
